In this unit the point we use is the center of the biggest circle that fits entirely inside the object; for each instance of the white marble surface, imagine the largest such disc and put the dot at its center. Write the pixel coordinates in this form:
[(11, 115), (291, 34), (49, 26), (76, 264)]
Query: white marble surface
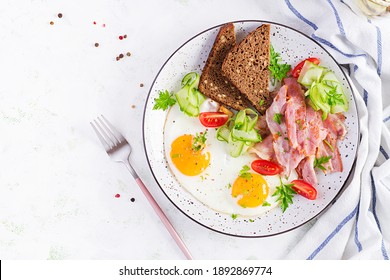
[(57, 185)]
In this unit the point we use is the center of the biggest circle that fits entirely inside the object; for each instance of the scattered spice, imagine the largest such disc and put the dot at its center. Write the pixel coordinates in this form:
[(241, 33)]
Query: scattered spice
[(132, 199), (117, 195), (133, 106), (96, 44), (125, 36), (60, 15), (141, 85), (121, 55), (103, 25), (121, 37), (52, 22)]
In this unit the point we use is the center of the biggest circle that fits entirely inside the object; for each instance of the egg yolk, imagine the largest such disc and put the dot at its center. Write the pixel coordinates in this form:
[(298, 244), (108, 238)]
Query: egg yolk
[(252, 190), (186, 159)]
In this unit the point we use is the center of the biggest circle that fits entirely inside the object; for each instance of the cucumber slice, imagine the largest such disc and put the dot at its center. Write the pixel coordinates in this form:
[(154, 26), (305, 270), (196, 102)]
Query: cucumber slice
[(236, 147), (240, 118), (185, 102), (247, 136), (192, 97), (329, 76), (191, 79), (325, 90), (189, 97), (313, 74), (182, 99), (340, 107), (319, 100), (201, 97), (223, 133)]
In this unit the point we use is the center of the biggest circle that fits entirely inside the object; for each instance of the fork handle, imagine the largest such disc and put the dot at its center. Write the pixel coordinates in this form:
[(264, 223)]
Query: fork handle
[(160, 213)]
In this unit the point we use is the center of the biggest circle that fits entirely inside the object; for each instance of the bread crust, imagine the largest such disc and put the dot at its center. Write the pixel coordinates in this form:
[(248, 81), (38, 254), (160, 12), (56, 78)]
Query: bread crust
[(212, 82), (246, 67)]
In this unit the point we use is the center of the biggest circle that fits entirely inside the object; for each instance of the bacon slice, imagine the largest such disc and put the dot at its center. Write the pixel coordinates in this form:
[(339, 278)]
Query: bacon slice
[(286, 155), (305, 170), (315, 131), (335, 126), (324, 150), (295, 114), (264, 149), (295, 134)]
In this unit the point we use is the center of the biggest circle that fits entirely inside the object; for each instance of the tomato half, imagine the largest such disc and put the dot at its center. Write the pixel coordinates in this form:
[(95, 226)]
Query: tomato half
[(297, 70), (213, 119), (305, 189), (265, 167)]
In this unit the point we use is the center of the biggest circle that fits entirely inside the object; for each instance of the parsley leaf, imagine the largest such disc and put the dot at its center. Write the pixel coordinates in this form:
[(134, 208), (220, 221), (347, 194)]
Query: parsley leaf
[(244, 172), (334, 98), (164, 100), (285, 193), (278, 70), (278, 118), (234, 216), (199, 141), (318, 162)]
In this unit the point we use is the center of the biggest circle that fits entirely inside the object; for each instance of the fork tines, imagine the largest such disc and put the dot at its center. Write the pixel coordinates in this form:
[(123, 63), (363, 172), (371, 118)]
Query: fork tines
[(107, 133)]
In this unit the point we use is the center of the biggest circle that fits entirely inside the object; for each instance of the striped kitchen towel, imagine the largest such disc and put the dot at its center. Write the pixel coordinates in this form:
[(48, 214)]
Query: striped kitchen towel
[(357, 226)]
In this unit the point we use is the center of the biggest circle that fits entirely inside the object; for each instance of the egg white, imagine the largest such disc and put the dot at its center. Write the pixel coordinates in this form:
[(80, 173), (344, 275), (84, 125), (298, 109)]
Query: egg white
[(213, 186)]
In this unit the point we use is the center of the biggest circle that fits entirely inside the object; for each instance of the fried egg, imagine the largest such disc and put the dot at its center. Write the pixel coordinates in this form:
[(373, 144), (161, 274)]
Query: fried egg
[(211, 175)]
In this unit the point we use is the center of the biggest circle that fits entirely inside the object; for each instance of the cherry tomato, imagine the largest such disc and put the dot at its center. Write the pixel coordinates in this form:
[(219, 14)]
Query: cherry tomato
[(297, 70), (305, 189), (265, 167), (213, 119)]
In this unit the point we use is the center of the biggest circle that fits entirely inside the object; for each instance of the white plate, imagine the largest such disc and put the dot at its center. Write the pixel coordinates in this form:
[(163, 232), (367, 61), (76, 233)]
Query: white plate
[(191, 56)]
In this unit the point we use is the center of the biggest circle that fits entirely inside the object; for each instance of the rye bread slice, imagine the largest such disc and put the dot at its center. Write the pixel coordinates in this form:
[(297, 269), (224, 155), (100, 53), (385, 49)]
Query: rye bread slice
[(246, 66), (212, 83)]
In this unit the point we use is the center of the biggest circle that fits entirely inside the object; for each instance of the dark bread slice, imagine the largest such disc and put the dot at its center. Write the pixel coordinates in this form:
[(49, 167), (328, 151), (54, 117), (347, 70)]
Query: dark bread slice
[(212, 83), (246, 66)]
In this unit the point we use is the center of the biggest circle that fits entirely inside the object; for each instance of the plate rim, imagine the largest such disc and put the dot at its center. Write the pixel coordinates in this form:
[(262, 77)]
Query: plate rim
[(331, 202)]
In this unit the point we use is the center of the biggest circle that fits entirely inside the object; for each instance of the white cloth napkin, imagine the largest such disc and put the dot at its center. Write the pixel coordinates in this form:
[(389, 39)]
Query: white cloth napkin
[(357, 226)]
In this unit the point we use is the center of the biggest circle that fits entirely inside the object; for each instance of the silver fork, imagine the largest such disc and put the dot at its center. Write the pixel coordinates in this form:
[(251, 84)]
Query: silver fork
[(119, 150)]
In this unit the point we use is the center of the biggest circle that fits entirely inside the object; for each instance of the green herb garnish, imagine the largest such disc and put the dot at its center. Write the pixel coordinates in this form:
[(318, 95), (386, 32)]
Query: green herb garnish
[(278, 118), (285, 193), (266, 203), (329, 145), (199, 141), (234, 216), (334, 98), (318, 162), (164, 101), (278, 70), (244, 172)]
